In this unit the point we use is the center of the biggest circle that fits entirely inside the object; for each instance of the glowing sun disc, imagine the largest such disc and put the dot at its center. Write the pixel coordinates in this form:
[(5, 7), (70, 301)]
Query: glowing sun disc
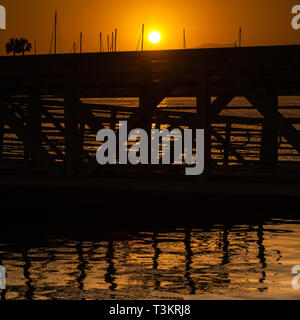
[(154, 37)]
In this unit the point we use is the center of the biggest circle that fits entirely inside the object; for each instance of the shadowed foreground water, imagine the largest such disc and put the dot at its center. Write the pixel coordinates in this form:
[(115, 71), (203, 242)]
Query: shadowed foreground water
[(233, 261)]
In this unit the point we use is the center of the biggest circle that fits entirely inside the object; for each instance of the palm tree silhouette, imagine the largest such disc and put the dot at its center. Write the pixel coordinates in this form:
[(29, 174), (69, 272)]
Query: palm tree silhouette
[(25, 46), (18, 46), (11, 46)]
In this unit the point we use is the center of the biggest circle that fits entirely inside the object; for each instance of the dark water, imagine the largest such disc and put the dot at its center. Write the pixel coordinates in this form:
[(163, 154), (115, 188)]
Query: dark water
[(249, 261)]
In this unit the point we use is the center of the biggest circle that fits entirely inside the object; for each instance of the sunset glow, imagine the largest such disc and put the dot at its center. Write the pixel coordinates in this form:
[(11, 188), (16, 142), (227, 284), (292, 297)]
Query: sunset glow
[(207, 23), (154, 37)]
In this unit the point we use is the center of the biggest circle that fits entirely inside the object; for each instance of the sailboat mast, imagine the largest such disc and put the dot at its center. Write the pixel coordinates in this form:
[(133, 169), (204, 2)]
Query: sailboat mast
[(55, 31), (143, 30), (80, 42), (100, 41)]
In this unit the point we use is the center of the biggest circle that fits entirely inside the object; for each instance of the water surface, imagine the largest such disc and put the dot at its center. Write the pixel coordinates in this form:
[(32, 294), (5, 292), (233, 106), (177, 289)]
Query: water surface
[(221, 261)]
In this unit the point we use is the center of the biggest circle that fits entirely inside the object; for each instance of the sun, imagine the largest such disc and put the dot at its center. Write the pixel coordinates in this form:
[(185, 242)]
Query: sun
[(154, 37)]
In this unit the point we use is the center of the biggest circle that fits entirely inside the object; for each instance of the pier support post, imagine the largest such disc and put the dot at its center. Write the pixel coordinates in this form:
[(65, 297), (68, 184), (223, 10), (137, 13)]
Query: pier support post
[(72, 135), (2, 123), (227, 144), (269, 134), (1, 138), (146, 93), (203, 103), (113, 119), (34, 121)]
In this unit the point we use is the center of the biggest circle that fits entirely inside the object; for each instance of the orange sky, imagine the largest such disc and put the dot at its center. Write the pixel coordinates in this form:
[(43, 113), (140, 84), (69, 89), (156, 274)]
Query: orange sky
[(206, 21)]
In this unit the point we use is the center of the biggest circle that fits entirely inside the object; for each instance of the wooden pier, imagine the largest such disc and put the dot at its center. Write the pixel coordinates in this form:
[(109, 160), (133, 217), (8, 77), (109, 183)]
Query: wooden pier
[(51, 110)]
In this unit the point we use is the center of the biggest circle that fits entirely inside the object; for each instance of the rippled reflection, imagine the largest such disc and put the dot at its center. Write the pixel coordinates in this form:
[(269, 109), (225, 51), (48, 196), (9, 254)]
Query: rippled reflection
[(246, 261)]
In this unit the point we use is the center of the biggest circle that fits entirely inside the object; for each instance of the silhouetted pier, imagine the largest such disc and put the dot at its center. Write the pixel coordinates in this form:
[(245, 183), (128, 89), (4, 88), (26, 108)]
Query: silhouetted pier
[(50, 116)]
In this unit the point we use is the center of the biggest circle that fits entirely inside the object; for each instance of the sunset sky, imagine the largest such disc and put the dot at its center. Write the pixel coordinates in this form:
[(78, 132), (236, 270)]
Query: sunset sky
[(205, 21)]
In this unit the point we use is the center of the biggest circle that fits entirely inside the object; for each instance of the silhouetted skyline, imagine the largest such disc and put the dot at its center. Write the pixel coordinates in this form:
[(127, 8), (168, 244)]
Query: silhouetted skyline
[(213, 21)]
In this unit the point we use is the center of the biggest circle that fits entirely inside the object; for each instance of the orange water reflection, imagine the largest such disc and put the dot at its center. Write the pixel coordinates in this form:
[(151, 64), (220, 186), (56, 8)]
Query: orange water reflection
[(245, 261)]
